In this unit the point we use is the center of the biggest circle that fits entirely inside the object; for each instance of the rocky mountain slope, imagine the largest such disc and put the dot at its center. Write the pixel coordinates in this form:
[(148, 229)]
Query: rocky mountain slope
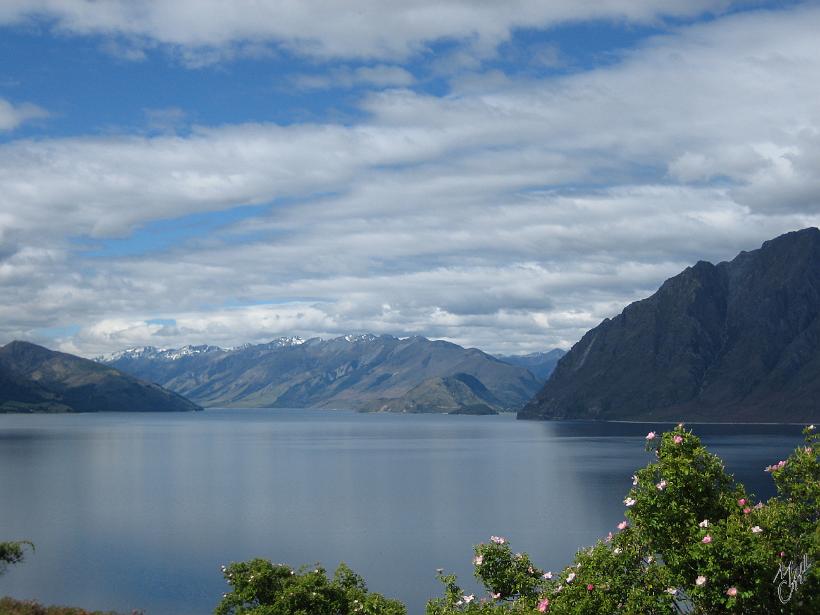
[(364, 372), (737, 341), (36, 379)]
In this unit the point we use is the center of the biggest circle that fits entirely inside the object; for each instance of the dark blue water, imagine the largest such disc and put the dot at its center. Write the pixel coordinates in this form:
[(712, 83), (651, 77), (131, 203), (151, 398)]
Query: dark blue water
[(139, 511)]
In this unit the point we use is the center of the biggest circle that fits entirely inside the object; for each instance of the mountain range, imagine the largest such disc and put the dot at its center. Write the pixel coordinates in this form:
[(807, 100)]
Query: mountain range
[(738, 342), (363, 372), (36, 379)]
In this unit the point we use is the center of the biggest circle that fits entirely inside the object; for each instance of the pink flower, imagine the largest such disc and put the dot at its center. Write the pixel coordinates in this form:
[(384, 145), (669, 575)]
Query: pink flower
[(623, 525), (759, 505), (478, 560), (747, 510), (677, 439), (741, 502), (651, 435), (661, 485), (782, 554), (499, 540), (732, 591), (706, 539), (544, 605), (757, 529), (608, 537), (590, 587), (778, 466), (701, 580)]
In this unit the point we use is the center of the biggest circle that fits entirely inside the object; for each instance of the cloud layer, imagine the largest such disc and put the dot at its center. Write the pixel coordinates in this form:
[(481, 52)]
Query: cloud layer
[(393, 29), (510, 213)]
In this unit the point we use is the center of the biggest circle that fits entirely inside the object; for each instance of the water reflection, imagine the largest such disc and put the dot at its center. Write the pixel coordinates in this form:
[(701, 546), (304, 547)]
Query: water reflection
[(136, 511)]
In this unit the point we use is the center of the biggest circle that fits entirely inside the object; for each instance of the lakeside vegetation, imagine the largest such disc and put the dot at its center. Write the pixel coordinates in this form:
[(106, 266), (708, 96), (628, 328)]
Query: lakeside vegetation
[(10, 606), (692, 541)]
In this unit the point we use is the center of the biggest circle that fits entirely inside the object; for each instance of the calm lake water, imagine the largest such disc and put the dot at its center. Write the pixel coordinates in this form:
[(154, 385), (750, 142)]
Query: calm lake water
[(139, 511)]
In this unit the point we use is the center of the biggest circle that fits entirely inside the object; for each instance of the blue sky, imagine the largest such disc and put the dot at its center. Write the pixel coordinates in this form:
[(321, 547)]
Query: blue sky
[(502, 175)]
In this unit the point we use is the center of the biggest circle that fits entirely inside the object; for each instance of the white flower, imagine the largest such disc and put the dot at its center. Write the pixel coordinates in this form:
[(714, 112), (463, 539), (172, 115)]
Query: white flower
[(630, 501), (671, 590), (701, 580), (616, 550), (468, 599), (704, 523), (548, 575), (634, 480), (570, 577), (757, 529)]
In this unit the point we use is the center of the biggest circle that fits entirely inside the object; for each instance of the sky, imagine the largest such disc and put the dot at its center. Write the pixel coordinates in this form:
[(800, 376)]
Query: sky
[(502, 175)]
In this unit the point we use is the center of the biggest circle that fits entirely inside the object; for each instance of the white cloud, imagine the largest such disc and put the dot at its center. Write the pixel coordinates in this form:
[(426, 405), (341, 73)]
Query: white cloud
[(11, 115), (328, 28)]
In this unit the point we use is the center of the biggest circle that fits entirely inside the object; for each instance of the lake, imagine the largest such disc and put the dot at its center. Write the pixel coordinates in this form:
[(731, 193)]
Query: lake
[(138, 511)]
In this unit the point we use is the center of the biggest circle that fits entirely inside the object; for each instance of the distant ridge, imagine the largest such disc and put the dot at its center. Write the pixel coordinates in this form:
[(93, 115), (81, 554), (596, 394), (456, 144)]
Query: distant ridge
[(738, 342), (36, 379), (541, 364), (363, 372)]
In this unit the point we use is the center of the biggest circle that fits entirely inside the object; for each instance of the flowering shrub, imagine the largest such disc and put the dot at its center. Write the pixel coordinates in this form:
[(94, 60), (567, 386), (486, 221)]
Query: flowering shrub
[(693, 541), (512, 581), (262, 588)]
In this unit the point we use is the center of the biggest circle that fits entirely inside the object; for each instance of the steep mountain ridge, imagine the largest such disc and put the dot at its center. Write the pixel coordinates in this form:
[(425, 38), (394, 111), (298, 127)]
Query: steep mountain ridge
[(36, 379), (365, 372), (737, 341)]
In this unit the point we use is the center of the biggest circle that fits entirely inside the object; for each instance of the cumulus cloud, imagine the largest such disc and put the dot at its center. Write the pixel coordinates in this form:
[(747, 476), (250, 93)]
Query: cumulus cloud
[(328, 28), (511, 214)]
